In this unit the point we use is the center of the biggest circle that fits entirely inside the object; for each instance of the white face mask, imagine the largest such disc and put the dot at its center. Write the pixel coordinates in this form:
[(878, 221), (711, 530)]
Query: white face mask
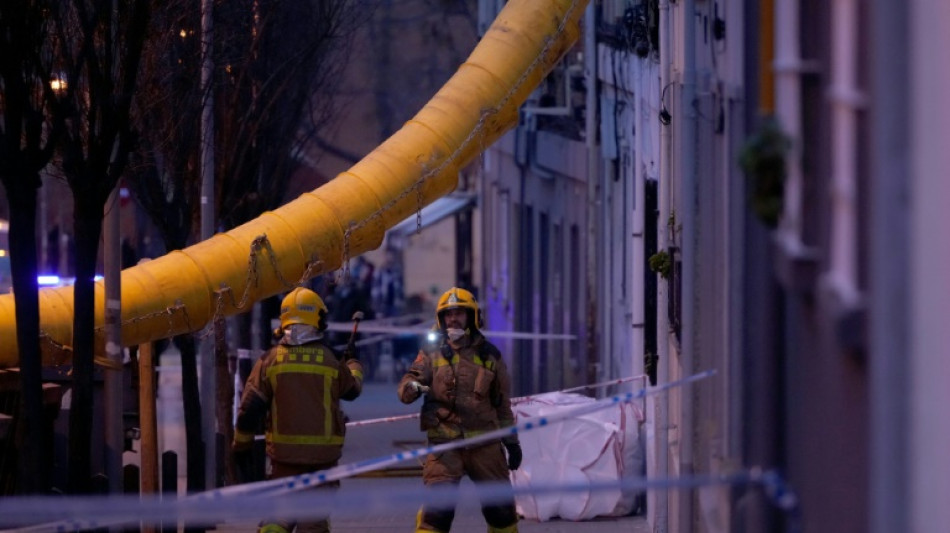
[(297, 334), (455, 333)]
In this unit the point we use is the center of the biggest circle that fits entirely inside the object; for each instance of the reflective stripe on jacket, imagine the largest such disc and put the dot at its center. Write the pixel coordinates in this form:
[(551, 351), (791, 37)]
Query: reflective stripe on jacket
[(298, 389), (470, 390)]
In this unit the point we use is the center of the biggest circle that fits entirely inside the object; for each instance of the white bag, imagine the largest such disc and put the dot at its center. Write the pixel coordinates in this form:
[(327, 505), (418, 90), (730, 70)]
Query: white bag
[(592, 448)]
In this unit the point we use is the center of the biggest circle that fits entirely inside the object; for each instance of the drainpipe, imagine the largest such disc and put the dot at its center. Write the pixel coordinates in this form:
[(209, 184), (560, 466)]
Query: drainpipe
[(690, 329), (593, 157), (112, 393), (788, 108), (889, 389), (845, 100), (606, 255), (636, 283), (658, 500), (208, 383)]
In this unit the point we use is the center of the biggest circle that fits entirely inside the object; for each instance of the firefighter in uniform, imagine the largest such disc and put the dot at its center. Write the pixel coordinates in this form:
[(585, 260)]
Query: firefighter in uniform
[(467, 392), (297, 387)]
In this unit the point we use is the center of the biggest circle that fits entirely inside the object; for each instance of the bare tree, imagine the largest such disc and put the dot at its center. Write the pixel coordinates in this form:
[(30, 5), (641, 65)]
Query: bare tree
[(165, 171), (273, 61), (98, 45), (26, 146), (274, 82), (442, 32)]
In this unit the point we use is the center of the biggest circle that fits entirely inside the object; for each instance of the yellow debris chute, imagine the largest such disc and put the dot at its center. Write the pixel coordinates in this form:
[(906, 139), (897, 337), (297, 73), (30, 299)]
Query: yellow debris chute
[(183, 290)]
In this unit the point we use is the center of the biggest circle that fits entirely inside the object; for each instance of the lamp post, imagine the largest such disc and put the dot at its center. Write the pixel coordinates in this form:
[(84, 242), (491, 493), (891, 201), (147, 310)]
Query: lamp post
[(112, 273), (209, 426)]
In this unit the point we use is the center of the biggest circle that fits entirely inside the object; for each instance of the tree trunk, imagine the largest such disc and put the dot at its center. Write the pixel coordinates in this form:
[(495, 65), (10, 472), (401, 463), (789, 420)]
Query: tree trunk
[(88, 225), (35, 454), (224, 405), (191, 399)]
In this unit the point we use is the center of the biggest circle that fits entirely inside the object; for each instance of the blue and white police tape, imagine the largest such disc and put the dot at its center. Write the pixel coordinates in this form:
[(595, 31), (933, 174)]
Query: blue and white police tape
[(519, 399), (305, 481), (602, 384), (85, 513), (312, 479)]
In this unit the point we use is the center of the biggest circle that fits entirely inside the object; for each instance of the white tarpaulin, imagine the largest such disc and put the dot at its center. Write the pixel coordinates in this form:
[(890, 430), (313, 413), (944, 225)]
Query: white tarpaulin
[(601, 446)]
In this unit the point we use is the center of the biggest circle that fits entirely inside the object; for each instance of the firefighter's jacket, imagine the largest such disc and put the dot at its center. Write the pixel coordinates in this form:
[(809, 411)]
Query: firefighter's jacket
[(470, 390), (298, 389)]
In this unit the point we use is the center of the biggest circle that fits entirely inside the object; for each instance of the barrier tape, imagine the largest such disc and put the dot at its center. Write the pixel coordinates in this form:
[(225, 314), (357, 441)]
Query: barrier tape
[(371, 421), (520, 399), (111, 511), (413, 320), (283, 486), (303, 481), (601, 385), (423, 330)]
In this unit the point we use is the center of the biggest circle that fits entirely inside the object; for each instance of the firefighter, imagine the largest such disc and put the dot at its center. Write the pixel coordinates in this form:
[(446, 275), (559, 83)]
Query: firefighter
[(467, 392), (297, 387)]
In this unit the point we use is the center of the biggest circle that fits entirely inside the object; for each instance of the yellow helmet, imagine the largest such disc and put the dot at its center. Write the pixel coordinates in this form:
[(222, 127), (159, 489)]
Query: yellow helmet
[(303, 306), (456, 297)]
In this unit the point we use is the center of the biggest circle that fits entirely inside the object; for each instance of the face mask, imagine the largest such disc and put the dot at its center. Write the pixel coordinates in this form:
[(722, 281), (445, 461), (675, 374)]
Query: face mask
[(297, 334), (455, 333)]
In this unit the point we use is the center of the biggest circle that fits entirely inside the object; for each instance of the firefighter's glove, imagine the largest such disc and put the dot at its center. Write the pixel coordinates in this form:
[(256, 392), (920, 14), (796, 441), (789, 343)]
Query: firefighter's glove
[(418, 387), (514, 455)]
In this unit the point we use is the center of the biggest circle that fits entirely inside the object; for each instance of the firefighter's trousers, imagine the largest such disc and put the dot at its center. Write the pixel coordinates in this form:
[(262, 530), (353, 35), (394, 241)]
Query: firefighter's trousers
[(276, 524), (485, 463)]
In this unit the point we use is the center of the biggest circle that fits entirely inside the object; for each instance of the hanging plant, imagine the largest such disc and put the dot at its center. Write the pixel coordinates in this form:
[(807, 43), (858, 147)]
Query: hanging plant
[(762, 158), (661, 264)]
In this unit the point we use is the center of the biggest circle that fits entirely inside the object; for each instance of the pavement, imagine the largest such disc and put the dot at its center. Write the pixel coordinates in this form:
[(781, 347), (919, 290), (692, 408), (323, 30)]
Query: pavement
[(380, 440)]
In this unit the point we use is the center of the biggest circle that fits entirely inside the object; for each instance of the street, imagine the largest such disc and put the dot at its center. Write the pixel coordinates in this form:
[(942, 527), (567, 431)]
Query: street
[(377, 440)]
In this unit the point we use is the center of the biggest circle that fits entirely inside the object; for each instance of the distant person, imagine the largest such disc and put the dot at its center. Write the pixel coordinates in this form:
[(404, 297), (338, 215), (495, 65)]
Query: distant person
[(345, 298), (387, 290), (303, 379), (363, 273), (467, 392)]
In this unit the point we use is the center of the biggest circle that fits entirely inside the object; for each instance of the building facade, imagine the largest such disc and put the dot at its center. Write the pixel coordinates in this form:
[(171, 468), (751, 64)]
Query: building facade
[(778, 163)]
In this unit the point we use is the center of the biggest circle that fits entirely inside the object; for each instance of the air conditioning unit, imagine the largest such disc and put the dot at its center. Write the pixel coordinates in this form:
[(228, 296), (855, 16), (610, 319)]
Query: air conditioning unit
[(556, 95)]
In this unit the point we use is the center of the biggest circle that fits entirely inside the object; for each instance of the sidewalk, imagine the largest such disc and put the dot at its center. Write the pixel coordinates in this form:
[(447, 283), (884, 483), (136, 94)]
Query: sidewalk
[(378, 440)]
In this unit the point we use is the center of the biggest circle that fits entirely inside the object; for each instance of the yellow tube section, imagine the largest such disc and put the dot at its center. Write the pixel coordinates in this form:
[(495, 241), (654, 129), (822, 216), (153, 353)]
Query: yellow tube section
[(182, 291)]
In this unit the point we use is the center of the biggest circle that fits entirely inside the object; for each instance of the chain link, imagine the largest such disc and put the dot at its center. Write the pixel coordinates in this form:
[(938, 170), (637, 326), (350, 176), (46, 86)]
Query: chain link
[(168, 312), (262, 243), (478, 132), (259, 245), (344, 275)]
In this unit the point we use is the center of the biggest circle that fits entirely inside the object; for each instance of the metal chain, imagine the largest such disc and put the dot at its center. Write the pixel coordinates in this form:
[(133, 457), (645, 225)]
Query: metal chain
[(168, 312), (344, 275), (259, 244), (261, 241), (476, 133), (273, 262), (420, 199)]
